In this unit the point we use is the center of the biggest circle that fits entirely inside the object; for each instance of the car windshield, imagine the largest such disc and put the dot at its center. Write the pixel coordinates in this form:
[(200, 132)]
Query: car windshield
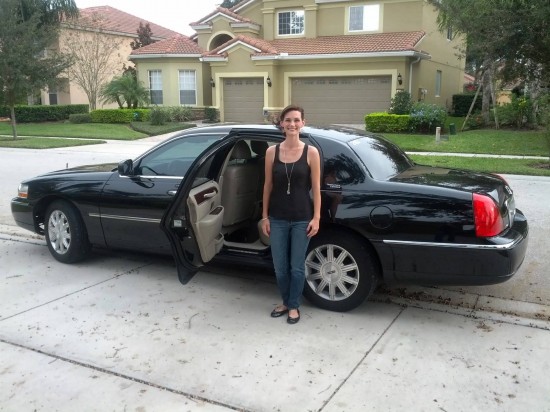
[(175, 157), (382, 158)]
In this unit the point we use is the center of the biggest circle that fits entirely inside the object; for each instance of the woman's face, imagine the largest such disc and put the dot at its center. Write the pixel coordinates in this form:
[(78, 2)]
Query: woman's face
[(292, 122)]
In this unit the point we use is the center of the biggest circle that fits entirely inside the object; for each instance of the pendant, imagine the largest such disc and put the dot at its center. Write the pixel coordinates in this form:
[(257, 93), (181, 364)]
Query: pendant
[(288, 189)]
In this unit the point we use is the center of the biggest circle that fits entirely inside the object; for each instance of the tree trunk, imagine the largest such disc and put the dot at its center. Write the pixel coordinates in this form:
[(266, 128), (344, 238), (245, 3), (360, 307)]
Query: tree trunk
[(13, 127), (486, 101)]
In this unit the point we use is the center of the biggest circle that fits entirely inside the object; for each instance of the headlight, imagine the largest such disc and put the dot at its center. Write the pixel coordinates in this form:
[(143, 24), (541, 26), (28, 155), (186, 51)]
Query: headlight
[(23, 191)]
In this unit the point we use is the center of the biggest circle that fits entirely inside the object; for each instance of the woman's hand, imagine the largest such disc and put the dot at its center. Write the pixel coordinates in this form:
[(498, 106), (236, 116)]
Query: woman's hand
[(313, 227), (266, 227)]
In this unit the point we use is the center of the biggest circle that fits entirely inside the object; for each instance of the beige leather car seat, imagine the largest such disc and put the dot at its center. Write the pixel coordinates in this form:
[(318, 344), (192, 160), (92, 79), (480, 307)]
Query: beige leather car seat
[(240, 186)]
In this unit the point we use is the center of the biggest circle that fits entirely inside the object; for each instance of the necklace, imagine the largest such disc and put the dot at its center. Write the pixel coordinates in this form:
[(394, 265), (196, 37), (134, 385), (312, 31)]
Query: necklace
[(288, 177)]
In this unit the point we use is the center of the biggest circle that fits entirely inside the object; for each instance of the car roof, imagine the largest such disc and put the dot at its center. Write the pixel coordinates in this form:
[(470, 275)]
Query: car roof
[(336, 132)]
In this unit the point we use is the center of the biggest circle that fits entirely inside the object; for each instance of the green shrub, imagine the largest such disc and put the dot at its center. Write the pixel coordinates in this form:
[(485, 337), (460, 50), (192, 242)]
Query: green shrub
[(475, 121), (518, 113), (401, 103), (425, 117), (80, 118), (180, 113), (119, 115), (141, 115), (387, 123), (159, 116), (462, 102), (210, 114), (39, 113)]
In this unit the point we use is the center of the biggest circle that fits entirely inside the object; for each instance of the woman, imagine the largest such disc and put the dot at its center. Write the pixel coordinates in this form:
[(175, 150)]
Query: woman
[(292, 169)]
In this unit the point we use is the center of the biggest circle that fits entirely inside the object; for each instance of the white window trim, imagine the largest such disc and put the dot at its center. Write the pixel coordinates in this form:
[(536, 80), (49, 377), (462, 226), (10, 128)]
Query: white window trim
[(194, 73), (365, 7), (291, 34), (159, 71)]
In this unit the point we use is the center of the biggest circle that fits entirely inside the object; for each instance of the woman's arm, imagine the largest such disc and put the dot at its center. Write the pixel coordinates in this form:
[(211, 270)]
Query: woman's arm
[(315, 168), (268, 186)]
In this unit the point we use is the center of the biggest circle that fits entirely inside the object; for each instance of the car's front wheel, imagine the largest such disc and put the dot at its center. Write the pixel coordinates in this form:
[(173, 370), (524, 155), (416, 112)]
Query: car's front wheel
[(65, 233), (341, 271)]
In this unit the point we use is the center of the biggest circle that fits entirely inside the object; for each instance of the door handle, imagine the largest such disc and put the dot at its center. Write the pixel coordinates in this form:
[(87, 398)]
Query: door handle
[(210, 195), (172, 192)]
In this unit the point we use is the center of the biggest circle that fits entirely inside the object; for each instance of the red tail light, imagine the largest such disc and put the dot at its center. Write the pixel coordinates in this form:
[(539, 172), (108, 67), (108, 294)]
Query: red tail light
[(487, 217)]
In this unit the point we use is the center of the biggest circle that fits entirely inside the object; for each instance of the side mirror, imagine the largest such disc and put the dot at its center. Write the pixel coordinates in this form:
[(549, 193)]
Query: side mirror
[(126, 167)]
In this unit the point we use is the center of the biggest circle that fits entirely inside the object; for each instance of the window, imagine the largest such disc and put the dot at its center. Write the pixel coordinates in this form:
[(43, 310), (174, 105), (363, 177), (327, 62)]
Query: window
[(188, 87), (438, 76), (291, 22), (449, 33), (364, 18), (155, 86), (175, 158), (52, 96)]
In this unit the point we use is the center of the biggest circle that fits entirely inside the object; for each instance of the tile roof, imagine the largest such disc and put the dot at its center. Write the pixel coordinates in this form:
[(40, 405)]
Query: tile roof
[(118, 21), (263, 45), (345, 44), (225, 11), (175, 45)]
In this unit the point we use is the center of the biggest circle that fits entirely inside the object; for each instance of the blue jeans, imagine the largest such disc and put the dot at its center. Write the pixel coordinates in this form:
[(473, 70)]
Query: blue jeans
[(288, 248)]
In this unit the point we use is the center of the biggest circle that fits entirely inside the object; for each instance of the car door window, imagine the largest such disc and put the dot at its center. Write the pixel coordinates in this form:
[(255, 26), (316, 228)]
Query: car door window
[(175, 157)]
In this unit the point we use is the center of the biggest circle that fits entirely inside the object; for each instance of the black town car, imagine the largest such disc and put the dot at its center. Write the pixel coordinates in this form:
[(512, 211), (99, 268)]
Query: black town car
[(198, 196)]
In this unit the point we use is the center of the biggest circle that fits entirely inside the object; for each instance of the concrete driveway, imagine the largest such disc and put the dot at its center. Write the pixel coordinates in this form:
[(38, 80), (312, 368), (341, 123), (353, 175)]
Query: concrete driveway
[(118, 332)]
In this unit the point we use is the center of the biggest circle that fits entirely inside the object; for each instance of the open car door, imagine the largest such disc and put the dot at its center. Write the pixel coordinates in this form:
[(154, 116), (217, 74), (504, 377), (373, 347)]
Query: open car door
[(193, 226)]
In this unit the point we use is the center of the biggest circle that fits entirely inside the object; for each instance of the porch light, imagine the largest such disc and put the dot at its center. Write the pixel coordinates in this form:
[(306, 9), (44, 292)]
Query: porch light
[(399, 79), (212, 83), (268, 81)]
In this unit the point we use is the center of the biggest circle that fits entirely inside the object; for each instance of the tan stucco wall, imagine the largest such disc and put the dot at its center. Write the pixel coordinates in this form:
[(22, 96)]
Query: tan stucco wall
[(70, 92), (331, 19), (170, 78), (444, 58)]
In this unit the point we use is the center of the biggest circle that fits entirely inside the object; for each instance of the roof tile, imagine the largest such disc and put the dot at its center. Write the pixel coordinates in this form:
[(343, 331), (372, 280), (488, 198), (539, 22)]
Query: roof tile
[(346, 44), (175, 45), (122, 22)]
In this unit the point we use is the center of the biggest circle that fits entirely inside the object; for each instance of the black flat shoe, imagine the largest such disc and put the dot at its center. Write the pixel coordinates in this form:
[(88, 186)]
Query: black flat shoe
[(293, 321), (278, 313)]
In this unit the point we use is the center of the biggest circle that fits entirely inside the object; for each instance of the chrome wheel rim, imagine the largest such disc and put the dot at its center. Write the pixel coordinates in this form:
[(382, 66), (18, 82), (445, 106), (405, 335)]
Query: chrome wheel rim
[(59, 232), (332, 272)]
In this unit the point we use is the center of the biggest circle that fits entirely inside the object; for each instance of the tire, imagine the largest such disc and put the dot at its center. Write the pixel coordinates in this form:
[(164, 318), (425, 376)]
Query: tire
[(341, 271), (65, 232)]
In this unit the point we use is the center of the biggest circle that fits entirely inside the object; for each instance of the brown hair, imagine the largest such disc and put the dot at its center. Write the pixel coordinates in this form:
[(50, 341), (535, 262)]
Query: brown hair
[(289, 108)]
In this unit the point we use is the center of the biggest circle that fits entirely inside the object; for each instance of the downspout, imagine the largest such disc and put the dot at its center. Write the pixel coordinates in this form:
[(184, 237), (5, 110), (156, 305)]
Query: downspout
[(411, 73)]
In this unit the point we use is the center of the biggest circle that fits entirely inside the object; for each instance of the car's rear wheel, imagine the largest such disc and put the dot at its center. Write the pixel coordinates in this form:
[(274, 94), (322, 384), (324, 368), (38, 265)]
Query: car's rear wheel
[(65, 233), (341, 271)]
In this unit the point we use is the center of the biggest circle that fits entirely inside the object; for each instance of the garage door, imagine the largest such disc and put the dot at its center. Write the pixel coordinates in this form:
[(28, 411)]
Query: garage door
[(243, 100), (341, 99)]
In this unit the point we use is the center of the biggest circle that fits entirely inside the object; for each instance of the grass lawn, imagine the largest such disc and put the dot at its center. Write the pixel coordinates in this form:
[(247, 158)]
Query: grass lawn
[(44, 143), (66, 129), (486, 141), (488, 165), (510, 142)]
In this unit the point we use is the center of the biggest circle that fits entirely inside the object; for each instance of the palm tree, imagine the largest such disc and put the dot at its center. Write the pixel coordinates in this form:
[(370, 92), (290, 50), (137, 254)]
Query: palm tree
[(125, 89)]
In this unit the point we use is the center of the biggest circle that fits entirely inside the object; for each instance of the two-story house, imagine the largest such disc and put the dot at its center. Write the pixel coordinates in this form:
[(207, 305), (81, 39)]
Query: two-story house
[(339, 59), (117, 27)]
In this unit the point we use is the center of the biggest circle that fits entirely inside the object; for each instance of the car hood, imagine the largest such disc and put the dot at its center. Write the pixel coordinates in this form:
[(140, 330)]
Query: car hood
[(104, 167), (462, 180)]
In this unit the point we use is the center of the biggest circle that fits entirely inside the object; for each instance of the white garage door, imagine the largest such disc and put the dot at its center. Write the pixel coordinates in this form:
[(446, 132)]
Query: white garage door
[(341, 99), (243, 100)]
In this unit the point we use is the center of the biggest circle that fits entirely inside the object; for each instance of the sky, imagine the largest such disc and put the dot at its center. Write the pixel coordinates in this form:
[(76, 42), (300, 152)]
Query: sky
[(172, 14)]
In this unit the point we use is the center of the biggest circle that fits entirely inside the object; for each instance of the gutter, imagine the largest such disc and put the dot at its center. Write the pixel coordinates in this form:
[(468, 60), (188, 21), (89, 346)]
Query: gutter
[(285, 56), (411, 73)]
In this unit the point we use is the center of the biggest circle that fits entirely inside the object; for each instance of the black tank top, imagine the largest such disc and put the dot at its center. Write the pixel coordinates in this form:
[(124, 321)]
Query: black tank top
[(292, 203)]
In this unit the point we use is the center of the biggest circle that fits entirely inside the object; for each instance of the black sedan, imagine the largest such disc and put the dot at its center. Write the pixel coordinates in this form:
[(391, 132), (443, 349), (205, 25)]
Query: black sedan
[(198, 196)]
